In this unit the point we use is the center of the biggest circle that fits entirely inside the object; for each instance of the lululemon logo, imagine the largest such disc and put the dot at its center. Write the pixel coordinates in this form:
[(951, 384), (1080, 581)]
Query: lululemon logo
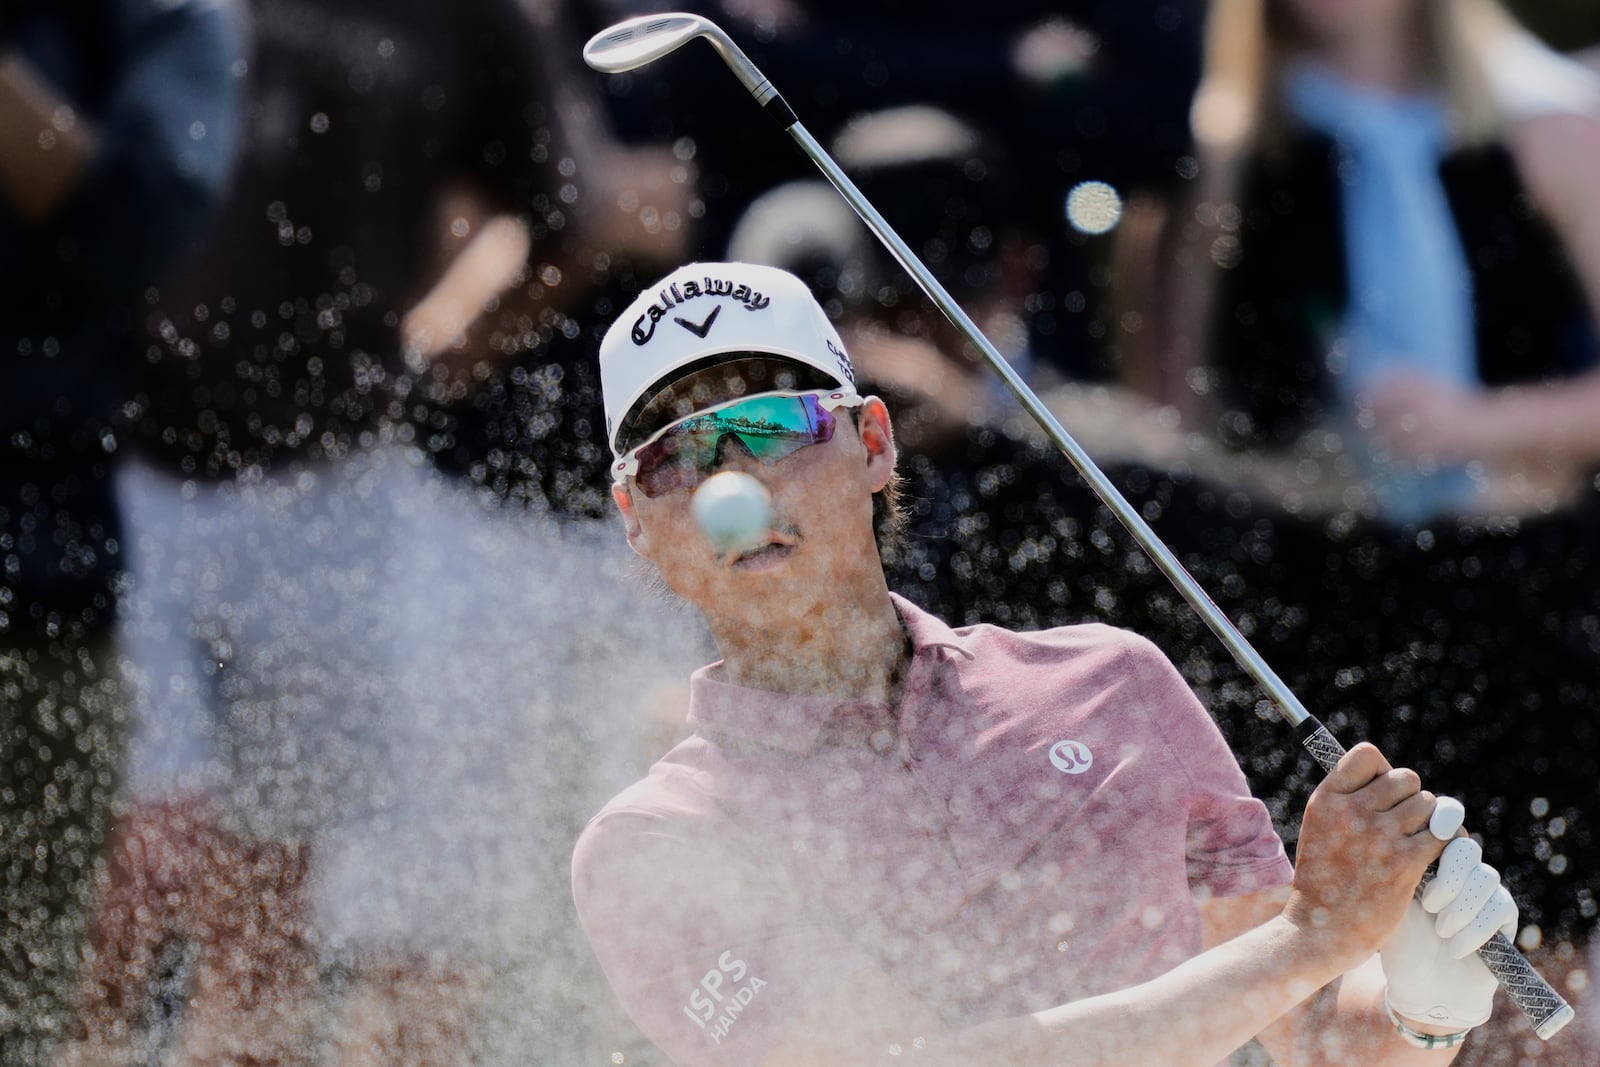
[(1071, 757)]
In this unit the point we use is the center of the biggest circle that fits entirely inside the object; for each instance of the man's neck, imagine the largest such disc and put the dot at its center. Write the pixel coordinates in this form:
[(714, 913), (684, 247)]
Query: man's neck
[(849, 648)]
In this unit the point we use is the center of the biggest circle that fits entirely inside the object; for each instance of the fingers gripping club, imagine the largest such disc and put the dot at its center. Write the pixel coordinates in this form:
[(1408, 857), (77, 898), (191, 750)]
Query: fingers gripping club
[(1544, 1007)]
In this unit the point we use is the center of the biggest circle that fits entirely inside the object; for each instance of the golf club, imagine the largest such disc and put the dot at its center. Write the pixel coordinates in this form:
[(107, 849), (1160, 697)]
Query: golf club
[(636, 42)]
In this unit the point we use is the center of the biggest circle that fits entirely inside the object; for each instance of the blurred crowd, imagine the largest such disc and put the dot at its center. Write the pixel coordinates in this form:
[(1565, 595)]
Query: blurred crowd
[(312, 606)]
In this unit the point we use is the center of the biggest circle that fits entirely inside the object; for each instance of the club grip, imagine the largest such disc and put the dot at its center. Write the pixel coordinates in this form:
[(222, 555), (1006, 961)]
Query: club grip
[(1543, 1006)]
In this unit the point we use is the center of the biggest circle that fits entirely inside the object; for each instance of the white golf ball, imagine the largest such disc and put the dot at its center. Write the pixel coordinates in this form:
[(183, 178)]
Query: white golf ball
[(733, 510)]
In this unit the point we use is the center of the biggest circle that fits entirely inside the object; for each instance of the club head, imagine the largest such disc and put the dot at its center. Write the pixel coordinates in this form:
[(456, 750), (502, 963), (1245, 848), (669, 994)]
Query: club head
[(634, 42)]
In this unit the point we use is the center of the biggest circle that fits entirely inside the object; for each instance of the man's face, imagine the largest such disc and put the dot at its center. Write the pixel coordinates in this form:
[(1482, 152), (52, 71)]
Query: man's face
[(821, 538)]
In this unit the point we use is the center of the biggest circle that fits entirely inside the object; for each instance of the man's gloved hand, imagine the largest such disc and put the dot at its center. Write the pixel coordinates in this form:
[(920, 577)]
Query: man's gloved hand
[(1431, 960)]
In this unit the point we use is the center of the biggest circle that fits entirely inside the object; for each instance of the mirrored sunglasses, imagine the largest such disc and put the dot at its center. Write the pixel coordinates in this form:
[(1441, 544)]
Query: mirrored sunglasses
[(769, 426)]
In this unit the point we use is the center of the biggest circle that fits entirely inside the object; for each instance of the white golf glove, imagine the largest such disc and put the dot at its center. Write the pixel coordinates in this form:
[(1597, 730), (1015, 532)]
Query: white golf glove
[(1431, 960)]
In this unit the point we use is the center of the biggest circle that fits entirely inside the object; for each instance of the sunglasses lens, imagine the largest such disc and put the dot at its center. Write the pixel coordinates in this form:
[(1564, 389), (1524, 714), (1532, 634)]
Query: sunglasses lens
[(768, 427), (664, 466)]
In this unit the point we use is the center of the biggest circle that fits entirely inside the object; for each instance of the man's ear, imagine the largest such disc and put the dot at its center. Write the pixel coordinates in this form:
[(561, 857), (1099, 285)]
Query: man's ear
[(630, 518), (877, 437)]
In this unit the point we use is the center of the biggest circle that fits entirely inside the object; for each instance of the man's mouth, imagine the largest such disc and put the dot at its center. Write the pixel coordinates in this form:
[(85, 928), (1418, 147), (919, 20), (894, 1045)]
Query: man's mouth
[(777, 549)]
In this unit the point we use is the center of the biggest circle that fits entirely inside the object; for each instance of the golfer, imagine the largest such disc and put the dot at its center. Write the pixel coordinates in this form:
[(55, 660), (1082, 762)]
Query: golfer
[(890, 841)]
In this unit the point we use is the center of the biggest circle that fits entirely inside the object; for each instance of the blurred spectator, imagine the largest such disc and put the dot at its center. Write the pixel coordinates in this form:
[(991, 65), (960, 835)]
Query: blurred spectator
[(1089, 91), (333, 842), (1431, 285), (1393, 288), (514, 406), (116, 131)]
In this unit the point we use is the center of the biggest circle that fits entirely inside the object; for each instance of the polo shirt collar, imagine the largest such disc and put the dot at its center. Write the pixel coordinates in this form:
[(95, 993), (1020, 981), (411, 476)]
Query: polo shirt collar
[(928, 632), (795, 722)]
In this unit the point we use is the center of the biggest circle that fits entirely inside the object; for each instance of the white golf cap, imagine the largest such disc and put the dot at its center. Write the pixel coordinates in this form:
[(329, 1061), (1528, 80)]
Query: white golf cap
[(704, 311)]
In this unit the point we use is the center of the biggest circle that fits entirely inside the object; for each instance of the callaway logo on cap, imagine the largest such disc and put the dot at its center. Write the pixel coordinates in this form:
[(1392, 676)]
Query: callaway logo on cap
[(703, 310)]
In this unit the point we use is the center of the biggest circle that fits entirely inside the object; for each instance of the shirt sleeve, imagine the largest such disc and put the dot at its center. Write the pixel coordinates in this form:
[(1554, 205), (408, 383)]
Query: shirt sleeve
[(710, 956), (1231, 845)]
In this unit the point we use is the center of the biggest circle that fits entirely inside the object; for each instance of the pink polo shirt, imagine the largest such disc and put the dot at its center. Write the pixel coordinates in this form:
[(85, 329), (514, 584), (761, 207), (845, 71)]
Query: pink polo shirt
[(1027, 828)]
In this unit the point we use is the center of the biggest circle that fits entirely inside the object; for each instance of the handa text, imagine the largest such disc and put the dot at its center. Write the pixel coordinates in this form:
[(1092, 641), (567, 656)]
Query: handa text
[(716, 1003)]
